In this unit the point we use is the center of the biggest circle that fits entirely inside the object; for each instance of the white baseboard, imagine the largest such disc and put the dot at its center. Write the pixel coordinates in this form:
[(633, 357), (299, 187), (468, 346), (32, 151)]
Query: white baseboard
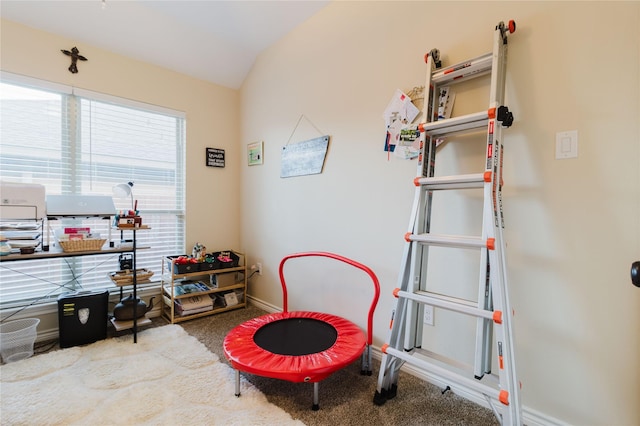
[(263, 305)]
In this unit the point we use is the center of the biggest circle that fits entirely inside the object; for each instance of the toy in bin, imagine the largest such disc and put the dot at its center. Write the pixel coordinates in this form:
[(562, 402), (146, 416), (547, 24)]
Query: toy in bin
[(199, 252), (184, 264), (226, 259)]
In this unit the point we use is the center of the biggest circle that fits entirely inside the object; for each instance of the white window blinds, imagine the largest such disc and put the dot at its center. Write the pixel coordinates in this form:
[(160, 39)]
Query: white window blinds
[(85, 143)]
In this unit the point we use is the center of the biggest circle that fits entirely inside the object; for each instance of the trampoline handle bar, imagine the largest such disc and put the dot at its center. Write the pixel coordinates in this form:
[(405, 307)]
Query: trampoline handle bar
[(374, 278)]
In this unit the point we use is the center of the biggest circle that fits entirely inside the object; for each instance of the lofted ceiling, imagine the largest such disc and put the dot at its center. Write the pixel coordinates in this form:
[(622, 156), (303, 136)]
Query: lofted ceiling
[(213, 40)]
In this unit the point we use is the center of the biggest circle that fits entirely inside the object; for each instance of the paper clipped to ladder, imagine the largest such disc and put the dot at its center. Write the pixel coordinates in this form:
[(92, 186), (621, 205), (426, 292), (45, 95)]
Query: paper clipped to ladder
[(398, 115)]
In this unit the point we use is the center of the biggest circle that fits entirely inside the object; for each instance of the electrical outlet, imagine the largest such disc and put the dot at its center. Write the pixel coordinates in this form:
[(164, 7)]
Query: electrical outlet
[(259, 266), (428, 314)]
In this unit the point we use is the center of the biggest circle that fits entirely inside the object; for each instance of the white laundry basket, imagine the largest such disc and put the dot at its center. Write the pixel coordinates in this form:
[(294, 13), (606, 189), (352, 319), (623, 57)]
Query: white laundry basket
[(17, 339)]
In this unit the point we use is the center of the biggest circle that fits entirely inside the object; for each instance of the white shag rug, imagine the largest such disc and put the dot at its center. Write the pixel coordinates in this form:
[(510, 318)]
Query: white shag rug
[(167, 378)]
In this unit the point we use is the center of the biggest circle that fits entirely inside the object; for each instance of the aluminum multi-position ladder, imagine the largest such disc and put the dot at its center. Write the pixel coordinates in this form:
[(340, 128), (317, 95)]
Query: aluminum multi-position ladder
[(492, 310)]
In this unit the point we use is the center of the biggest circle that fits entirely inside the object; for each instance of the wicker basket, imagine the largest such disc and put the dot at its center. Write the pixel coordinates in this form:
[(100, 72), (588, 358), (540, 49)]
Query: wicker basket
[(121, 278), (82, 245)]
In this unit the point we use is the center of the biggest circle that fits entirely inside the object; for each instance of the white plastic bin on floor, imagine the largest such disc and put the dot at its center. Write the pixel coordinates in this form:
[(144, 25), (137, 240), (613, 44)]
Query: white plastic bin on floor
[(17, 339)]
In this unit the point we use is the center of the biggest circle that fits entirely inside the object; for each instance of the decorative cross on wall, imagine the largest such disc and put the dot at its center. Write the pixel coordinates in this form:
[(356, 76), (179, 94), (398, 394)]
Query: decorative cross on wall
[(75, 55)]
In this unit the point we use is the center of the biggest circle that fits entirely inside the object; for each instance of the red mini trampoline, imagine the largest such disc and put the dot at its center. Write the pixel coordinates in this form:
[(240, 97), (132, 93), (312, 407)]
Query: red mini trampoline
[(301, 346)]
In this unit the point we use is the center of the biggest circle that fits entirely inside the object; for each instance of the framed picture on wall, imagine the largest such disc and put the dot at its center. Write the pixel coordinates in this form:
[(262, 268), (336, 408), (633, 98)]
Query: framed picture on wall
[(254, 153)]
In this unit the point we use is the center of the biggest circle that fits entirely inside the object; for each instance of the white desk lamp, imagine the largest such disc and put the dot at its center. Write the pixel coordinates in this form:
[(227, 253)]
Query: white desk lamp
[(122, 190)]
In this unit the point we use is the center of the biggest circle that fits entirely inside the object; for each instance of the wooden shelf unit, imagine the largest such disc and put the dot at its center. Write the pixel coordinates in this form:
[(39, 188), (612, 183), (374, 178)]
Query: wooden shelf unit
[(170, 280)]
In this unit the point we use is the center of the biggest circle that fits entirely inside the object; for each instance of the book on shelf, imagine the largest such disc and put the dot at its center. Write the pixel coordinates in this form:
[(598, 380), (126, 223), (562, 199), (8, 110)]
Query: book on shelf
[(188, 312), (188, 287), (202, 302), (76, 230), (62, 235), (195, 301)]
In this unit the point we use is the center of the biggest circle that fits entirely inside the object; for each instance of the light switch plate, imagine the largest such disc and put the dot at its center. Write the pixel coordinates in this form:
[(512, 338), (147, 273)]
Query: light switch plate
[(567, 144)]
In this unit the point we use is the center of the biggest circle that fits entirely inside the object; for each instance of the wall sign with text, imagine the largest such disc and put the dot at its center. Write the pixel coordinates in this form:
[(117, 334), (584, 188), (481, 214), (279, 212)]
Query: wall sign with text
[(215, 157)]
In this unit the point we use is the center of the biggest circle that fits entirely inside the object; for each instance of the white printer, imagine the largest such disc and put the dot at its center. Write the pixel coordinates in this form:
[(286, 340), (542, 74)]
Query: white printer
[(21, 201)]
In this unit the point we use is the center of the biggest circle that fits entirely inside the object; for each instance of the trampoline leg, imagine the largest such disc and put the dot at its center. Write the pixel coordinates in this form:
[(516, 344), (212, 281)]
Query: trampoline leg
[(366, 362), (237, 382), (316, 405)]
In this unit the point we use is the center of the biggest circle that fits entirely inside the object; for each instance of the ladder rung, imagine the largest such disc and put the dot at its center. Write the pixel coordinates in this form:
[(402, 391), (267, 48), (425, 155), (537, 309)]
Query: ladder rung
[(472, 121), (446, 375), (451, 240), (472, 68), (459, 305), (452, 182), (452, 363)]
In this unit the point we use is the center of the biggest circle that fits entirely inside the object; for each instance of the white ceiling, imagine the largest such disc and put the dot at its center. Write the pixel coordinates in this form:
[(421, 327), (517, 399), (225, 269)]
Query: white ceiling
[(213, 40)]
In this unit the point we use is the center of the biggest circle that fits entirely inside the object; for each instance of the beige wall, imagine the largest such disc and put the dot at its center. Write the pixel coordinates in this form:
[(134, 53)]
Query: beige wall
[(573, 226), (212, 118)]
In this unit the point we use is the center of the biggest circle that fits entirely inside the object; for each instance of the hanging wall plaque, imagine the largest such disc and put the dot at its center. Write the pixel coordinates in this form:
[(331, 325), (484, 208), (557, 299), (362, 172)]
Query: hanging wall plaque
[(304, 158)]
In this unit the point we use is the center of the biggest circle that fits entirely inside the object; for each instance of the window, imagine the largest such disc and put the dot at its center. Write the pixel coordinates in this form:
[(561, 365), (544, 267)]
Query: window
[(77, 142)]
